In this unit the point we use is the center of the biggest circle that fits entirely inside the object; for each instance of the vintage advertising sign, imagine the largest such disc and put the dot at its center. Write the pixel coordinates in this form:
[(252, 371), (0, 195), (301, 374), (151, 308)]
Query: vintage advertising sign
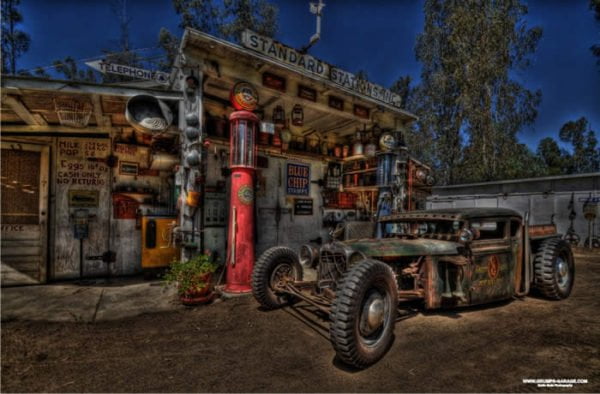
[(290, 56), (128, 168), (120, 69), (307, 93), (303, 206), (360, 111), (244, 96), (84, 198), (274, 82), (298, 179), (337, 103)]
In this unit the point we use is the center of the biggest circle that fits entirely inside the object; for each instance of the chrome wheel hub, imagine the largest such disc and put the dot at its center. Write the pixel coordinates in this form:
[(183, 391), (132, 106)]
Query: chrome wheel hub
[(562, 272), (372, 314), (280, 275)]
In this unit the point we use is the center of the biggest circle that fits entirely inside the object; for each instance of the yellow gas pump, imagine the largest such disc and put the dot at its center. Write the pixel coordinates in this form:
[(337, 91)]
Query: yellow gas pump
[(158, 248)]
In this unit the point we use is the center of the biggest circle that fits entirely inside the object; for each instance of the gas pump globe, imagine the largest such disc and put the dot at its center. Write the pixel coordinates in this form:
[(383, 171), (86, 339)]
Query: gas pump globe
[(240, 254)]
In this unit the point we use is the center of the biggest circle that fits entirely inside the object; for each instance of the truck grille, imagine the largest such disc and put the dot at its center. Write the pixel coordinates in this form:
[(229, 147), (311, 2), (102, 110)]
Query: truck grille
[(333, 258)]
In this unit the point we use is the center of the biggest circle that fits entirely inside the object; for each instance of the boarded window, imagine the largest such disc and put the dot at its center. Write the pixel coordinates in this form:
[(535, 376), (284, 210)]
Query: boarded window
[(20, 187)]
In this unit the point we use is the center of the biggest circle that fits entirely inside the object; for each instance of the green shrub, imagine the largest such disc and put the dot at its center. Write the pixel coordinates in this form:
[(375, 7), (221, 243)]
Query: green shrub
[(192, 275)]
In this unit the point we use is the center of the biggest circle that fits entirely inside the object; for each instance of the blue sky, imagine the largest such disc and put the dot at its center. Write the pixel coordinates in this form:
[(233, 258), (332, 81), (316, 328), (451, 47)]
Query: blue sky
[(377, 36)]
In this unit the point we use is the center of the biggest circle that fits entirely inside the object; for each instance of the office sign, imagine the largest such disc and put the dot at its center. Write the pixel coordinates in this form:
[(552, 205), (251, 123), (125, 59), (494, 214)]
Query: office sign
[(303, 206)]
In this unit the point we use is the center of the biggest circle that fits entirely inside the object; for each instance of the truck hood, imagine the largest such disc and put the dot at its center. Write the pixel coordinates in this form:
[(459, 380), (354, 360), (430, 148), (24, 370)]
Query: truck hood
[(403, 247)]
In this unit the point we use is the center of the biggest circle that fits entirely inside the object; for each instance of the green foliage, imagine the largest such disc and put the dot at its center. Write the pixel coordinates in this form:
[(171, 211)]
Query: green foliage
[(69, 69), (227, 19), (467, 102), (190, 275), (200, 15), (238, 15), (586, 156), (555, 160), (230, 19), (14, 41), (595, 6), (123, 54), (41, 72), (402, 88), (169, 43)]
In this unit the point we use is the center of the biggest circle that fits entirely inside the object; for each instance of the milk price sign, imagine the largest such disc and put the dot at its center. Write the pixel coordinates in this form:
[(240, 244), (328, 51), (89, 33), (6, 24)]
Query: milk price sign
[(298, 179)]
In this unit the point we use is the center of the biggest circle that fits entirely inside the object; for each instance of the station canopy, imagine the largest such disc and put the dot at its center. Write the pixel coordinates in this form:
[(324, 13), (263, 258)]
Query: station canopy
[(333, 100)]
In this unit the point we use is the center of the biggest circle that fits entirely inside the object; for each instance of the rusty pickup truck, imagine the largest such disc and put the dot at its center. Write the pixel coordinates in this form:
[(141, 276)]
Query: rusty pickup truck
[(438, 259)]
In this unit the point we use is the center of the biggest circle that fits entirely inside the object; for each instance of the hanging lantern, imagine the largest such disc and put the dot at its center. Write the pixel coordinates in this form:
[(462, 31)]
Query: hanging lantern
[(297, 115), (279, 116)]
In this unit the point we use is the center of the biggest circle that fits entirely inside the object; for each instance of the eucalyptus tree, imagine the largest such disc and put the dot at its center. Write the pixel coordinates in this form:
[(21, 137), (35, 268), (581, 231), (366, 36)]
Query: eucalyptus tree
[(586, 153), (15, 42), (467, 99)]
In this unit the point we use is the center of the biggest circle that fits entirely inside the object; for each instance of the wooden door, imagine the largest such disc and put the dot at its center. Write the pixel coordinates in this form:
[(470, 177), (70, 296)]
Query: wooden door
[(24, 231)]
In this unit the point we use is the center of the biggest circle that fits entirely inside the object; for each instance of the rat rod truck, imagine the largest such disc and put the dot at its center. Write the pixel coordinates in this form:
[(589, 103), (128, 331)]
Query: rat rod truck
[(442, 258)]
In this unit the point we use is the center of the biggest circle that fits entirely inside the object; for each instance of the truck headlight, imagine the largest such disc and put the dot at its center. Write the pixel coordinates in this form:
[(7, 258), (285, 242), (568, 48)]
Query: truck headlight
[(308, 256), (466, 235)]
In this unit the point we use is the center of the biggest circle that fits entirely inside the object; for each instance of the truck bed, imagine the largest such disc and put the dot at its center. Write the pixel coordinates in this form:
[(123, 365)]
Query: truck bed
[(541, 231)]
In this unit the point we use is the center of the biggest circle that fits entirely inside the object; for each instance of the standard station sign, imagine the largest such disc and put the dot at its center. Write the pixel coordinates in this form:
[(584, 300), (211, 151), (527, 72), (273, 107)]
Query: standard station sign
[(287, 55)]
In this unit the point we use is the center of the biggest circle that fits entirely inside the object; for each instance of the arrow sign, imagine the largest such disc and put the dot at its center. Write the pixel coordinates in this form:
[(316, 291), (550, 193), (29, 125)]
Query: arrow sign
[(120, 69)]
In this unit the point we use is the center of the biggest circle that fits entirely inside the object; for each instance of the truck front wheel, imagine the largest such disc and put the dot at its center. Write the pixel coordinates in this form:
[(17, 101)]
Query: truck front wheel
[(554, 269), (275, 266), (363, 313)]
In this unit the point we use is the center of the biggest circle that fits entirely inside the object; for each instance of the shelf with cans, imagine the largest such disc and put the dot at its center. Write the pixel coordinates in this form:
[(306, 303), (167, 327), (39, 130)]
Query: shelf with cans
[(351, 176)]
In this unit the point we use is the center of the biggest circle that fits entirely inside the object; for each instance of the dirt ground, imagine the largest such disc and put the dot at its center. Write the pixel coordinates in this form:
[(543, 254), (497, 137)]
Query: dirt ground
[(232, 346)]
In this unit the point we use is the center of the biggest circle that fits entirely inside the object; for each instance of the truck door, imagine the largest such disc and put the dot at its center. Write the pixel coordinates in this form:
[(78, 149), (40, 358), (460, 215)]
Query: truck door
[(493, 265)]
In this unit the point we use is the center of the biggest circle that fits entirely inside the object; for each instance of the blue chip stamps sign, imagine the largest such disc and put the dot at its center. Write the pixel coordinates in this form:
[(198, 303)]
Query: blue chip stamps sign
[(298, 179)]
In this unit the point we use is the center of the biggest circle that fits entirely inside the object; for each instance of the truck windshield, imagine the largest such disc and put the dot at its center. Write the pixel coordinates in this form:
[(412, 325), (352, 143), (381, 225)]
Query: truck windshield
[(423, 228)]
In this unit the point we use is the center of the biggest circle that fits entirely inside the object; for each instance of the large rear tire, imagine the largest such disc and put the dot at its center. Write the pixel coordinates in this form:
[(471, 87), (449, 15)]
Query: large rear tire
[(554, 269), (363, 313), (274, 266)]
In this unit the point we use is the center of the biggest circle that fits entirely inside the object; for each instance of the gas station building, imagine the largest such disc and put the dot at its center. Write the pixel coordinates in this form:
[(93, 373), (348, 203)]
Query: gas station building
[(115, 179)]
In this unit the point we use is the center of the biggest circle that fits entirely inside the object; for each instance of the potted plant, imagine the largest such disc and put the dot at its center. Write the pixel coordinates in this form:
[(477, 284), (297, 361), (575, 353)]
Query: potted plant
[(193, 278)]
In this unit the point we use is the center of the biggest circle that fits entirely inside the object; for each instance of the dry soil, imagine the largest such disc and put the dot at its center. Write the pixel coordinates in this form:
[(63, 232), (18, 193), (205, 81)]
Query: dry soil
[(232, 346)]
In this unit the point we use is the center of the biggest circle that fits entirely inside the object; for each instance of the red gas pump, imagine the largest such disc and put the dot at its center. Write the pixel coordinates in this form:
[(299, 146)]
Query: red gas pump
[(240, 254)]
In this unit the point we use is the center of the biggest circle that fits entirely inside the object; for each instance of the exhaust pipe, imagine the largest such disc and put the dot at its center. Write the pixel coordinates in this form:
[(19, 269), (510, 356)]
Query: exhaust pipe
[(527, 267)]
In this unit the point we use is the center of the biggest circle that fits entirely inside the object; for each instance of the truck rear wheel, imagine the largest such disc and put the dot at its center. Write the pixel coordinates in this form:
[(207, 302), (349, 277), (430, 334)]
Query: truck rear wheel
[(363, 313), (274, 266), (554, 269)]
